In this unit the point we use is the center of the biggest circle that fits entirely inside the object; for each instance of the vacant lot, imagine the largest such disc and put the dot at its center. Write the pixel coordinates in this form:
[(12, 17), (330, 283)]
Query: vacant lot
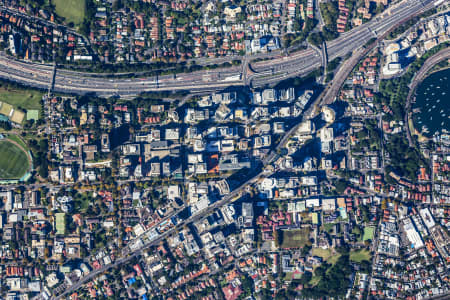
[(359, 256), (71, 10), (296, 238), (13, 161)]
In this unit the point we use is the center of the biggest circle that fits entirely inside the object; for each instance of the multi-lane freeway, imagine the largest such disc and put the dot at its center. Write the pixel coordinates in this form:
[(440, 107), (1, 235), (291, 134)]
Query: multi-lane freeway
[(298, 63), (265, 72)]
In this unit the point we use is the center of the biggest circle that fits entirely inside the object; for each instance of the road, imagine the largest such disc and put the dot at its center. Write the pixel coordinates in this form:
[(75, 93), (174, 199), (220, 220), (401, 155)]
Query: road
[(266, 72), (230, 198), (344, 71), (418, 77), (347, 67)]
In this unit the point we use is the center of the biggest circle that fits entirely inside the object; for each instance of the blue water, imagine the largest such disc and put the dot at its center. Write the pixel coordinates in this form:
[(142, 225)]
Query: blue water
[(433, 100)]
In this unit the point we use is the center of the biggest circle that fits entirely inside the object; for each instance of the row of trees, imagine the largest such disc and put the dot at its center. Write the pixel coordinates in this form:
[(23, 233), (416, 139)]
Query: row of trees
[(295, 39), (39, 149), (405, 160), (330, 14), (402, 28), (334, 279), (393, 92), (145, 69)]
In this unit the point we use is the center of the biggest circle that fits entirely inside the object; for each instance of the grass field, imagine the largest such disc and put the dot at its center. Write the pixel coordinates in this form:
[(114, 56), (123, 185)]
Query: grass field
[(359, 256), (287, 276), (71, 10), (368, 233), (27, 99), (328, 227), (82, 201), (314, 280), (17, 116), (13, 161), (18, 140), (295, 238), (6, 109), (326, 254)]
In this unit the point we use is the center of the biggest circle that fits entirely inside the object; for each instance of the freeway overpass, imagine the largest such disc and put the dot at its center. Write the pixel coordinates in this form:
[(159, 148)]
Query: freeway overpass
[(266, 72)]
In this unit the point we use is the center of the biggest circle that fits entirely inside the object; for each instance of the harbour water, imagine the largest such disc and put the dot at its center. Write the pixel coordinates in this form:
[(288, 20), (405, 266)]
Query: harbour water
[(432, 106)]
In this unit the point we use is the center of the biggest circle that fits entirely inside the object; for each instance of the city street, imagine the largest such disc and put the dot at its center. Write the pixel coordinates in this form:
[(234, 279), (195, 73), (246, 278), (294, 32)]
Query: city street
[(266, 72)]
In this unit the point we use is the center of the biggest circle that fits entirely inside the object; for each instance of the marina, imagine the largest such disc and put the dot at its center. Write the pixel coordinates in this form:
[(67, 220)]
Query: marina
[(431, 109)]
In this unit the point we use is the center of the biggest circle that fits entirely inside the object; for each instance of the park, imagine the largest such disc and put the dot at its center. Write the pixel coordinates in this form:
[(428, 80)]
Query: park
[(15, 161)]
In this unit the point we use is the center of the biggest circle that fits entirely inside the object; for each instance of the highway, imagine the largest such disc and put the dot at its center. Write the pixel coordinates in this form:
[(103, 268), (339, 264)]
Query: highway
[(128, 254), (266, 72), (304, 61), (236, 192)]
